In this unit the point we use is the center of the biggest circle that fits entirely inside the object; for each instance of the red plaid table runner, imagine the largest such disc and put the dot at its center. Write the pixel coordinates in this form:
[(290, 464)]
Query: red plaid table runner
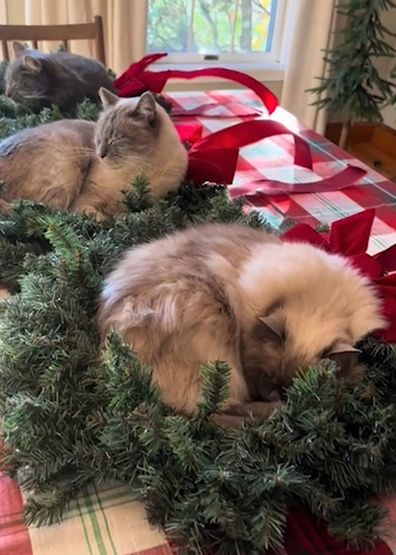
[(108, 521)]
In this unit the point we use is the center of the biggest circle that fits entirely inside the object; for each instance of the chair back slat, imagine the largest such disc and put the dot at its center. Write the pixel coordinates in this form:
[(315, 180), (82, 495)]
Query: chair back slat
[(61, 33), (5, 51)]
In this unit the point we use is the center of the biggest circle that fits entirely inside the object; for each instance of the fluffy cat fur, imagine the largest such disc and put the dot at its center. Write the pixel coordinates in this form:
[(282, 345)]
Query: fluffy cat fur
[(83, 166), (63, 79), (228, 292)]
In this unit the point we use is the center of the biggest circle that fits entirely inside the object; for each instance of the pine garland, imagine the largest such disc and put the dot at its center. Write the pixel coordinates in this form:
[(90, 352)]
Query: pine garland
[(72, 415)]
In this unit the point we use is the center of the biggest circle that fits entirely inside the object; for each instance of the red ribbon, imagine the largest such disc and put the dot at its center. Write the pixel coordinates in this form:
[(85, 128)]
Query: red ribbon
[(350, 237), (214, 158), (257, 190), (136, 80), (189, 133), (216, 110)]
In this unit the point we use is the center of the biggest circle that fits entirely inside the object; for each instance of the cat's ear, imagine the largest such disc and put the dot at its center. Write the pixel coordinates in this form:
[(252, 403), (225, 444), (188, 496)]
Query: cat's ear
[(19, 48), (146, 106), (344, 355), (342, 347), (31, 63), (271, 329), (107, 97)]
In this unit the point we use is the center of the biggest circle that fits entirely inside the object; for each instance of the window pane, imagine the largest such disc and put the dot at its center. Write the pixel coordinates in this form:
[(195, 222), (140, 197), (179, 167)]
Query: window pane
[(210, 26)]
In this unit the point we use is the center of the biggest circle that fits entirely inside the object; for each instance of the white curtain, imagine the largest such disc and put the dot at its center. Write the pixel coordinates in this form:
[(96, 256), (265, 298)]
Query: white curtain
[(312, 31), (124, 40), (3, 12)]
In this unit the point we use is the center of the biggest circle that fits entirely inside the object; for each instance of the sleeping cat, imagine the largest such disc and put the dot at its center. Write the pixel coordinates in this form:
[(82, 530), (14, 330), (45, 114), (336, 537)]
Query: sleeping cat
[(240, 295), (83, 166), (63, 79)]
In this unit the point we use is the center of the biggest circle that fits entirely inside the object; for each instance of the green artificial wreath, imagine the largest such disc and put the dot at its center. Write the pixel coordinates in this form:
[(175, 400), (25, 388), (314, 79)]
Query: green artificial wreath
[(71, 414)]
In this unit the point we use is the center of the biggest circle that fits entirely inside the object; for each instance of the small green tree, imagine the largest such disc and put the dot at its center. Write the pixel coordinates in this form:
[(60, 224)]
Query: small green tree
[(354, 86)]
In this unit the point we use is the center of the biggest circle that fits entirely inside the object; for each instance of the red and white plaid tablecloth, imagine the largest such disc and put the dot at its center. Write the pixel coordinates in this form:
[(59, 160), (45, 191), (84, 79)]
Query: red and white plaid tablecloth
[(108, 521)]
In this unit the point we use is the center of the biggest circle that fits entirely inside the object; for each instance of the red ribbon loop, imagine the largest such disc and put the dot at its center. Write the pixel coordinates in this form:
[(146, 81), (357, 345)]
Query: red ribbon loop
[(135, 80), (258, 191), (216, 110), (214, 157), (249, 132)]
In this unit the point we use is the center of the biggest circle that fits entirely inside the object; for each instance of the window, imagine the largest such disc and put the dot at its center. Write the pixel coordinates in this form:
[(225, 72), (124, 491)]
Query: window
[(213, 31)]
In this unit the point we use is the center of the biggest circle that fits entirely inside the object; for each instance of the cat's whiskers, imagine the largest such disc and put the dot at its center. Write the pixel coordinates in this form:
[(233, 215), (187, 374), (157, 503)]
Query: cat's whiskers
[(140, 160), (83, 150), (41, 95), (82, 156)]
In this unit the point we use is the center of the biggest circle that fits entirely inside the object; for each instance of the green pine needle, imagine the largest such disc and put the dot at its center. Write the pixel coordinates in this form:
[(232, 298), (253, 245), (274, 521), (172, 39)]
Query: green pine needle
[(215, 388)]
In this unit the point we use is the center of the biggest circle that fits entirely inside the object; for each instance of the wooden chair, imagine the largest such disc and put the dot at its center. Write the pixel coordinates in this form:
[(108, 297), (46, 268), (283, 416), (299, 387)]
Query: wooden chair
[(60, 33)]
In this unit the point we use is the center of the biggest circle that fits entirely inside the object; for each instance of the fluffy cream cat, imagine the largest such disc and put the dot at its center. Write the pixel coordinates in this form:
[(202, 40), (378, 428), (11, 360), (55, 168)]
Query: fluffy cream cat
[(231, 293), (83, 166)]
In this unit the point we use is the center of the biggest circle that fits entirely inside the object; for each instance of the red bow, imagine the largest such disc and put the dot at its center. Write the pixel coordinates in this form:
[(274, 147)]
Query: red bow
[(136, 80), (349, 237), (214, 159)]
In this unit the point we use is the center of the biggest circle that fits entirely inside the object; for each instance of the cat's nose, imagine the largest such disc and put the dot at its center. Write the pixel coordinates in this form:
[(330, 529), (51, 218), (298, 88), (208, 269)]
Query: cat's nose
[(103, 151)]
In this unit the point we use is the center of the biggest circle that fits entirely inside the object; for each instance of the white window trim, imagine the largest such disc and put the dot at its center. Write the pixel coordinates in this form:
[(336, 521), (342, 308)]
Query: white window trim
[(267, 72), (263, 66)]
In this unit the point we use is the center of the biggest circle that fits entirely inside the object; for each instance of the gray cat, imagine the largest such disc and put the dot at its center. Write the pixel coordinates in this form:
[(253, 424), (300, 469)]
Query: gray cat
[(63, 79), (82, 166)]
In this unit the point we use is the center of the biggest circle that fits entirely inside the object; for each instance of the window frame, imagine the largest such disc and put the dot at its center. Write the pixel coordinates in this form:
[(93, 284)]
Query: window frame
[(272, 61)]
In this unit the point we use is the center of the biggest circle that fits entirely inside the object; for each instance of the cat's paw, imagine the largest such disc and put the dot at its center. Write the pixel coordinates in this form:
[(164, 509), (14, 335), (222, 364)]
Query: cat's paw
[(238, 413), (5, 207), (228, 420), (93, 213), (262, 410)]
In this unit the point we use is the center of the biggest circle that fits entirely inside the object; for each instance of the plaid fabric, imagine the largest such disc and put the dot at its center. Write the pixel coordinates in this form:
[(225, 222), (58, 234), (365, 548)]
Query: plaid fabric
[(273, 159), (109, 522)]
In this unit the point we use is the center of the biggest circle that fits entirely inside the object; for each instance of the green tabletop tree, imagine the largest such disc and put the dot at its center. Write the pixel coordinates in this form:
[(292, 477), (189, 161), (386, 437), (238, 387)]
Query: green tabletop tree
[(353, 86)]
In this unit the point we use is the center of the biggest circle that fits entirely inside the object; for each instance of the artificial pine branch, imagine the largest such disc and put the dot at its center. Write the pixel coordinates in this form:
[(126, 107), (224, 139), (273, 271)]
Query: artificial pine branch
[(215, 388)]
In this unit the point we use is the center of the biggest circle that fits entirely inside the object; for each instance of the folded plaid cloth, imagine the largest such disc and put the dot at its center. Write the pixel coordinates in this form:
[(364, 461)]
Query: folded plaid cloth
[(109, 522), (306, 536)]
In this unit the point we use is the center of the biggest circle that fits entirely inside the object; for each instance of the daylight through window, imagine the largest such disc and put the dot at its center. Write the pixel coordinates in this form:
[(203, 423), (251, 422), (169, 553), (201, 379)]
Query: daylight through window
[(210, 30)]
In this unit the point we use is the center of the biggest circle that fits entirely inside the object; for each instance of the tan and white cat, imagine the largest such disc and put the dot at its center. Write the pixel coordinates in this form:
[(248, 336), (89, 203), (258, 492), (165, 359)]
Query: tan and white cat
[(228, 292), (83, 166)]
